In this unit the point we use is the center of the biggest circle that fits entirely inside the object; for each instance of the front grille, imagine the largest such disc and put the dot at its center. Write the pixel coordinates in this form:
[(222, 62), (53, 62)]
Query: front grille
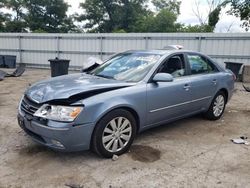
[(28, 106)]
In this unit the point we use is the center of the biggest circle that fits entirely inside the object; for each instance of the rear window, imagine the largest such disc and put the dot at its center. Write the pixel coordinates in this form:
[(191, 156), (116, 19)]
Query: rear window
[(200, 65)]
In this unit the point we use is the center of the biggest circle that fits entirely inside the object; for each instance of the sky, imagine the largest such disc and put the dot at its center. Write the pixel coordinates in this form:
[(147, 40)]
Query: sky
[(227, 23)]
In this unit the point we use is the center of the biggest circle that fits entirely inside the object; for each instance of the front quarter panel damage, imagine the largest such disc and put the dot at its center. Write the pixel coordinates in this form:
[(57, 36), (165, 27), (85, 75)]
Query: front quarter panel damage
[(95, 107)]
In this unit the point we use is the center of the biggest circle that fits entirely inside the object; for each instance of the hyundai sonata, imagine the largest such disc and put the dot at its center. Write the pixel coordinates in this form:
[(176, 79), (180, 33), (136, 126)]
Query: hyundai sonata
[(105, 108)]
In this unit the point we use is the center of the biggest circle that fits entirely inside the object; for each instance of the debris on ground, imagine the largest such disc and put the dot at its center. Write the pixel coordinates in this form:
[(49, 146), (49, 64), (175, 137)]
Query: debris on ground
[(246, 88), (73, 185), (18, 72), (241, 140), (115, 157)]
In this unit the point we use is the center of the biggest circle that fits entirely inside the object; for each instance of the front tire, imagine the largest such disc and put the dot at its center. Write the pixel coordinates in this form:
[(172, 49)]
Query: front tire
[(217, 107), (114, 133)]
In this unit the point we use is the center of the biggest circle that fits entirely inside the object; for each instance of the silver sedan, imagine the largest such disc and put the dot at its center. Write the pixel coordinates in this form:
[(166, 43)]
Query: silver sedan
[(103, 109)]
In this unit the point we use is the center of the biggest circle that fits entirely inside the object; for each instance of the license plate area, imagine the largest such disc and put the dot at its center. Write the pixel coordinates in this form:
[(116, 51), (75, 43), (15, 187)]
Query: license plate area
[(27, 127)]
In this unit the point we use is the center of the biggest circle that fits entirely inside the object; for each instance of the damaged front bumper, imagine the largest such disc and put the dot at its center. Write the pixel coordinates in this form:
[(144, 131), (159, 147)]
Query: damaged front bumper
[(57, 135)]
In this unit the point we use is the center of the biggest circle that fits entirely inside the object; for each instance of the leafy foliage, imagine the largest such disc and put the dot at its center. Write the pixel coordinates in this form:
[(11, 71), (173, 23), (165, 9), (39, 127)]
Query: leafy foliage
[(129, 16), (3, 17), (111, 15), (48, 16), (241, 9), (207, 12), (171, 5), (16, 22), (36, 16), (205, 28), (120, 16), (164, 21), (214, 17)]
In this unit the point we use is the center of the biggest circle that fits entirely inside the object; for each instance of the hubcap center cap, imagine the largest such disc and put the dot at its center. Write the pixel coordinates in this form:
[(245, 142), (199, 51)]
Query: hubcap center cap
[(117, 134)]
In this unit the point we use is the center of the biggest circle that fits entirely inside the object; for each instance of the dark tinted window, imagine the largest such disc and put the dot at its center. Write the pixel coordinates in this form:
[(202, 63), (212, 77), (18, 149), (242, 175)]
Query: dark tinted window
[(174, 65), (200, 65)]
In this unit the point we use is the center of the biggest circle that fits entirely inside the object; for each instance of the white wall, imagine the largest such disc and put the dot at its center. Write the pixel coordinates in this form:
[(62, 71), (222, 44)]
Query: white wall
[(36, 49)]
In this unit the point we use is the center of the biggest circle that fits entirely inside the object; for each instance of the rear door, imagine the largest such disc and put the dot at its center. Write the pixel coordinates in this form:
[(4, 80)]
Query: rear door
[(203, 78)]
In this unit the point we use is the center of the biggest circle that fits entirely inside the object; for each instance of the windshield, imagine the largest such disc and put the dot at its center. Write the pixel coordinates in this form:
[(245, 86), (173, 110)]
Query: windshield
[(129, 67)]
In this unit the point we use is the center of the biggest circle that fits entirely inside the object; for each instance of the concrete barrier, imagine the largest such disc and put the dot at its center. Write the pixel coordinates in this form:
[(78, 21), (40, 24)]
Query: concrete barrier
[(246, 74)]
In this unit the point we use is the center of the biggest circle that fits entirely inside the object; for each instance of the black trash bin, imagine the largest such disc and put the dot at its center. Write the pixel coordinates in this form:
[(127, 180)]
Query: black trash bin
[(59, 67), (1, 61), (10, 61), (234, 67)]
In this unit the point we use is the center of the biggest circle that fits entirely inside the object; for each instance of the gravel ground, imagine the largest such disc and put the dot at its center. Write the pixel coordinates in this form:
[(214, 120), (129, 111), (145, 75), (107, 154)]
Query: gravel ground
[(188, 153)]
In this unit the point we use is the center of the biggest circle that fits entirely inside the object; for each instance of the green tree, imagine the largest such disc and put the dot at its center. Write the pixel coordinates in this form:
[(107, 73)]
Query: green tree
[(3, 17), (16, 22), (214, 17), (171, 5), (208, 16), (241, 9), (205, 28), (111, 15), (17, 6), (130, 11), (15, 26), (164, 21), (48, 16), (129, 16)]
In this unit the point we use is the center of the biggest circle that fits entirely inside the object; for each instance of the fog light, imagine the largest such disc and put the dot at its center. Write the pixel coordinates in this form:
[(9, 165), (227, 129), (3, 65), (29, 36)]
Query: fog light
[(57, 143)]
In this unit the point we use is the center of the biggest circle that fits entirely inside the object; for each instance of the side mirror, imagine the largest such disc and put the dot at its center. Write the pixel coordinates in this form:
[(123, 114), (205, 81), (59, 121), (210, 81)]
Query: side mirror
[(163, 77)]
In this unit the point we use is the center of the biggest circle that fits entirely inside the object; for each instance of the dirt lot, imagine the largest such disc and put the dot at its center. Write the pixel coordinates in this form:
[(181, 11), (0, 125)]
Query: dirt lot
[(189, 153)]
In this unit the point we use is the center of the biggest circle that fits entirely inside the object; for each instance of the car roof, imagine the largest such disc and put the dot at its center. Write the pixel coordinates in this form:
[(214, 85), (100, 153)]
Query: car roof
[(160, 51)]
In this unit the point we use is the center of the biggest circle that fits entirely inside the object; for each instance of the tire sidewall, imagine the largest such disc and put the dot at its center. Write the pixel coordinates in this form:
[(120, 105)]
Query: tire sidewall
[(210, 113), (100, 126)]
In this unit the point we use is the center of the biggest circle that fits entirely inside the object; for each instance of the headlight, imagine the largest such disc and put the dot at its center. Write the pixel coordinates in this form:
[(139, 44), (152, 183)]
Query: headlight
[(58, 113)]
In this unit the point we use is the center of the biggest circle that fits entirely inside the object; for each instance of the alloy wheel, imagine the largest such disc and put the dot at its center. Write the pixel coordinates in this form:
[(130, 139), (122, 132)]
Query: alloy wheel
[(218, 106), (117, 134)]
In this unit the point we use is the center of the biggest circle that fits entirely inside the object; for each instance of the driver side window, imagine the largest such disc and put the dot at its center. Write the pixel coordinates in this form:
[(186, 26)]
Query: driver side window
[(174, 65)]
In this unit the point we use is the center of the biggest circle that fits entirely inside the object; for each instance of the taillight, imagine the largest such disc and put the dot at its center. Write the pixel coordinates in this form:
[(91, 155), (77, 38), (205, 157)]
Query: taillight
[(234, 77)]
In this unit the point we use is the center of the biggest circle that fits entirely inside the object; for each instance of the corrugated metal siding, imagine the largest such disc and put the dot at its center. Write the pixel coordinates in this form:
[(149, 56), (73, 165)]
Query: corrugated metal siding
[(8, 43), (36, 49)]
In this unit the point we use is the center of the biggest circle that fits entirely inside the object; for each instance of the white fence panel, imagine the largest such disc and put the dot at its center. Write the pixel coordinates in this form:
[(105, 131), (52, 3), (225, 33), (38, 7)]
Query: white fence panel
[(36, 49), (8, 43), (79, 44), (39, 44)]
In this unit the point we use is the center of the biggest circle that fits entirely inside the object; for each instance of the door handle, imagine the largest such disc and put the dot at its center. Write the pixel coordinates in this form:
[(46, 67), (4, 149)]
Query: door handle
[(214, 81), (186, 87)]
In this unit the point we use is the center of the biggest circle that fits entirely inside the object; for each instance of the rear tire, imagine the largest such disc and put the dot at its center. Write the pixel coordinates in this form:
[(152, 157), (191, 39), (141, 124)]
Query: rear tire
[(217, 107), (114, 133)]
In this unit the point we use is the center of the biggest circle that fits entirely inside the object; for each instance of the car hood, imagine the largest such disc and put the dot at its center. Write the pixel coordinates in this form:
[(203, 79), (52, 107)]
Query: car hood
[(63, 87)]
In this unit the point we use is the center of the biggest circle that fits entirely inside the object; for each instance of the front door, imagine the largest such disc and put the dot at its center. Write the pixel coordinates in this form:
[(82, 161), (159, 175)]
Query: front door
[(169, 100)]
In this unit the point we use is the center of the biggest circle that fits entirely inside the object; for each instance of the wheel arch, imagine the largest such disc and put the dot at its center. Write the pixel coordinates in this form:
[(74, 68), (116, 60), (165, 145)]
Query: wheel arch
[(136, 116), (225, 91), (124, 107)]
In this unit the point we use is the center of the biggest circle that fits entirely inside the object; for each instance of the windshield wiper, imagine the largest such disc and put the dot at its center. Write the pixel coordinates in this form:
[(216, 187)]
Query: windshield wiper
[(105, 76)]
